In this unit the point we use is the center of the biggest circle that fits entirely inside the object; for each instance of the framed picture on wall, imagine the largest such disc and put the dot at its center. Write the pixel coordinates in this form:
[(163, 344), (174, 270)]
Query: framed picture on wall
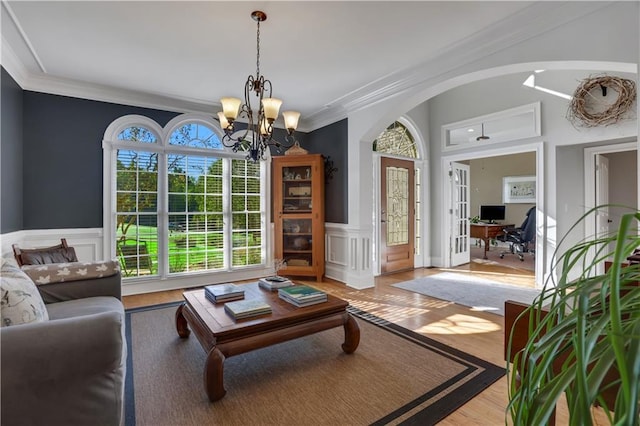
[(518, 189)]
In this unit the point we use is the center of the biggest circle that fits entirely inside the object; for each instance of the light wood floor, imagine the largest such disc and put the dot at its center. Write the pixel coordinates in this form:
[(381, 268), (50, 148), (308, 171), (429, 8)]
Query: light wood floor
[(477, 333)]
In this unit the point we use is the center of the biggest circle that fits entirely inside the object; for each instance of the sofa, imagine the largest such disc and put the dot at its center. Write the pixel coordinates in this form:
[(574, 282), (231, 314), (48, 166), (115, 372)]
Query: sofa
[(63, 348)]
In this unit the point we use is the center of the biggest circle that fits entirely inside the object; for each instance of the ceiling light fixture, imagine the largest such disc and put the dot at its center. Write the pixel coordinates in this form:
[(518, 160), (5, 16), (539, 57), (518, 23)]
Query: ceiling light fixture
[(482, 137), (259, 133)]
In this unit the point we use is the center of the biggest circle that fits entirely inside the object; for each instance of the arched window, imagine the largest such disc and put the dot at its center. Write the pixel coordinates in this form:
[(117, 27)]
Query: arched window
[(196, 136), (137, 134), (396, 140), (180, 201)]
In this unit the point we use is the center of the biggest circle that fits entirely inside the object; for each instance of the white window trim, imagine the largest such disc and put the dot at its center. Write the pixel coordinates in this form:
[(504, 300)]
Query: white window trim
[(111, 144)]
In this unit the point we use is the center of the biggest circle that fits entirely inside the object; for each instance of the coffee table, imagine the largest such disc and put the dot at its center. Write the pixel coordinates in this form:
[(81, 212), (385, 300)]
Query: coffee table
[(222, 337)]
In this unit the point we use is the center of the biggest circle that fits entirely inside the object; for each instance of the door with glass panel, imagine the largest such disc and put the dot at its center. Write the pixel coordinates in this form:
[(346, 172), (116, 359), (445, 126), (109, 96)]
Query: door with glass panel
[(460, 204), (396, 215)]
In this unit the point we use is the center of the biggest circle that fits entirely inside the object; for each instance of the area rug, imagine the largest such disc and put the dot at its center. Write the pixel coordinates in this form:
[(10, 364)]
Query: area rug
[(468, 289), (396, 376)]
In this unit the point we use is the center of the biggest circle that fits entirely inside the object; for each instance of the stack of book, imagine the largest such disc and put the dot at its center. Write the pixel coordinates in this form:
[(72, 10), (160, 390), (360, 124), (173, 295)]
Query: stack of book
[(247, 308), (274, 283), (221, 293), (302, 295)]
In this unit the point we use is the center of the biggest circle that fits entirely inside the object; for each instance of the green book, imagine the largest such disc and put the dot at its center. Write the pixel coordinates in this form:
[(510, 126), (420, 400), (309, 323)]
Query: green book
[(301, 292)]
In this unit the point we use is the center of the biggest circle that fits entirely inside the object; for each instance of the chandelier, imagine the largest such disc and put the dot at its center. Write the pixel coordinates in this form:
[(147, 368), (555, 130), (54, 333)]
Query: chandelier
[(258, 136)]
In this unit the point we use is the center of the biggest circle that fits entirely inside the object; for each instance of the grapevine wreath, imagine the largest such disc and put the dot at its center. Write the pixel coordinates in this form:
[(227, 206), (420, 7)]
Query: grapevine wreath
[(588, 111)]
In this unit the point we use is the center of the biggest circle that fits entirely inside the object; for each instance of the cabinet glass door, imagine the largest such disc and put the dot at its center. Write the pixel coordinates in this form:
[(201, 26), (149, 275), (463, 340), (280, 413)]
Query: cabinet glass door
[(297, 242), (296, 189)]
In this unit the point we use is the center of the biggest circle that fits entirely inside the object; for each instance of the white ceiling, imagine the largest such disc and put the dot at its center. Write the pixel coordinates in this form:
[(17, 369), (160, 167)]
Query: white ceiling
[(318, 55)]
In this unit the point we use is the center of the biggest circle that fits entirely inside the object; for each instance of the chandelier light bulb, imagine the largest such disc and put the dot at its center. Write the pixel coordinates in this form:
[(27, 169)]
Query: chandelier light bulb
[(291, 120), (271, 108), (230, 107)]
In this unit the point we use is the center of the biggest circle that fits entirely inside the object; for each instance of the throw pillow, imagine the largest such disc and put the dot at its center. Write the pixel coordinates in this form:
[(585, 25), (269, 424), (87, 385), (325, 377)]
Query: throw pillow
[(45, 256), (20, 301)]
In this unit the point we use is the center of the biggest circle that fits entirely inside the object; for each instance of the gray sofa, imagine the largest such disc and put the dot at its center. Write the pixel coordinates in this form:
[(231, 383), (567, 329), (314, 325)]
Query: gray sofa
[(70, 368)]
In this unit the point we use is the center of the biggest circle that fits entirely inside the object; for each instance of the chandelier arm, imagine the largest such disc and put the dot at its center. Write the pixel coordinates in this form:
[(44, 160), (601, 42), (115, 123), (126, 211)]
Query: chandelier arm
[(266, 86)]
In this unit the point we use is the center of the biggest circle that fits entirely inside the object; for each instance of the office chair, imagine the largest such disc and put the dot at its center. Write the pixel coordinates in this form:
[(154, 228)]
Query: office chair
[(521, 239)]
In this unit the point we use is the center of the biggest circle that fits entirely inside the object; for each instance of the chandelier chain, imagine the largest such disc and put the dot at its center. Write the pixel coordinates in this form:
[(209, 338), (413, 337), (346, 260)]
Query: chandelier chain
[(258, 52)]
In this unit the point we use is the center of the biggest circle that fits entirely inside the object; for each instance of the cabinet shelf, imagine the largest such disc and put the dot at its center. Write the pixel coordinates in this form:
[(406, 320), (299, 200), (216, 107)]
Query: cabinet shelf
[(288, 250)]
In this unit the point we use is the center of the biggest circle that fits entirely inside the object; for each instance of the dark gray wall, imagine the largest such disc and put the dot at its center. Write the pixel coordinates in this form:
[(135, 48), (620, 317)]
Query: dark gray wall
[(52, 158), (331, 141), (10, 154), (63, 158)]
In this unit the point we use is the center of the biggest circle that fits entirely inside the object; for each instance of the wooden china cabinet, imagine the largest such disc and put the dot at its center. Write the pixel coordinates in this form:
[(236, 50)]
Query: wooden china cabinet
[(298, 196)]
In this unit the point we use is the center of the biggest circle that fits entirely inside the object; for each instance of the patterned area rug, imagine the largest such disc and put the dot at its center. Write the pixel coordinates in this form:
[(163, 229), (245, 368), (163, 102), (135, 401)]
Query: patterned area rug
[(468, 289), (395, 376)]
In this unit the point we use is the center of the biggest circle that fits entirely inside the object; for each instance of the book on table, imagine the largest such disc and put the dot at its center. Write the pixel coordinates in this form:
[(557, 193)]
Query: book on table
[(302, 295), (274, 282), (247, 308), (218, 293)]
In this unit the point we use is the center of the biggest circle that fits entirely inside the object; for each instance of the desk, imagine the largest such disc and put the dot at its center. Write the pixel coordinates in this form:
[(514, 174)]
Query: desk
[(486, 232)]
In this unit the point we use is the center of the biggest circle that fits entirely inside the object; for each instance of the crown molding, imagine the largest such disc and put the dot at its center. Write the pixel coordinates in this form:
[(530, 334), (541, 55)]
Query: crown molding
[(10, 62)]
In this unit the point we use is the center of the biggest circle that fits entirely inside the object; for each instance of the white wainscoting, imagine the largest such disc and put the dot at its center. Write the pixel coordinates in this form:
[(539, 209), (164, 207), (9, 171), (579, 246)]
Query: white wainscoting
[(87, 242), (348, 255)]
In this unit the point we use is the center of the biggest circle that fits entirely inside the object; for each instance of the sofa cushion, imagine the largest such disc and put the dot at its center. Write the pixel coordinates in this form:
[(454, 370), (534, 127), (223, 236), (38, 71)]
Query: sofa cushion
[(74, 271), (20, 302), (82, 307)]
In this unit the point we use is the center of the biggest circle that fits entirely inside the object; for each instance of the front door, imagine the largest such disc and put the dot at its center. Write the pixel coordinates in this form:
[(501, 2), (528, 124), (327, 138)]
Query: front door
[(460, 204), (397, 215)]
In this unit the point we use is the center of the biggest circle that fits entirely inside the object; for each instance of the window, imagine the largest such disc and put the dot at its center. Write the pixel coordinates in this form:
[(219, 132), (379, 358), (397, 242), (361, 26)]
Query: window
[(179, 201), (396, 140)]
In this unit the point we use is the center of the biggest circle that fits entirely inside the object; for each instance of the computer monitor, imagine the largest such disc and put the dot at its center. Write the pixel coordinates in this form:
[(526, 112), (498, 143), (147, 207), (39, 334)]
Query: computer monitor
[(492, 213)]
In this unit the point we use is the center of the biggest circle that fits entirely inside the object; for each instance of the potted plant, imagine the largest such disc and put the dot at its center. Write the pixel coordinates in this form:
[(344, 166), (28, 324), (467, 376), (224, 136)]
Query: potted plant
[(587, 346)]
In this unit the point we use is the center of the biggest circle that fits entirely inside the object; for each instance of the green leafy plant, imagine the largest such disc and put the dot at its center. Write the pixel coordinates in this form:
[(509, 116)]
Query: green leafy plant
[(588, 344)]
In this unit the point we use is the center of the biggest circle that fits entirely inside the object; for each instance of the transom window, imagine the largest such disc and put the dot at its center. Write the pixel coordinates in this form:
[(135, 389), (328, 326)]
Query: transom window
[(181, 202), (396, 140)]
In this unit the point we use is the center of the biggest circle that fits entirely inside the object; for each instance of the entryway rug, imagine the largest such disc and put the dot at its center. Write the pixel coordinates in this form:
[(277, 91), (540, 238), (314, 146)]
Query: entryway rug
[(468, 289), (396, 376)]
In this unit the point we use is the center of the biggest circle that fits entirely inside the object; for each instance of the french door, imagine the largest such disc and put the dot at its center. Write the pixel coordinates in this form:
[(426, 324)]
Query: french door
[(460, 205)]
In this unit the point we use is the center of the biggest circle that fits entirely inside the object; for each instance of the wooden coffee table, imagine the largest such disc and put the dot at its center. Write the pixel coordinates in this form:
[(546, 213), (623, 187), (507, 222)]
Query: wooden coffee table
[(222, 337)]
